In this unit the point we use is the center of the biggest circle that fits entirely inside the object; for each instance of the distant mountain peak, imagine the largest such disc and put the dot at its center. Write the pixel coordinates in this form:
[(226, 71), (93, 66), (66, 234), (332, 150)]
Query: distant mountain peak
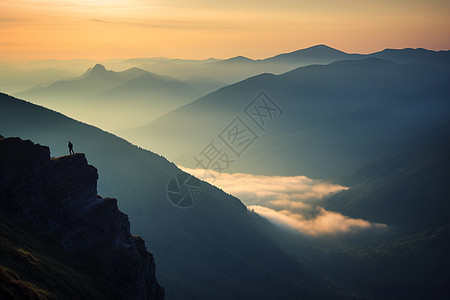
[(239, 57), (135, 71), (98, 68), (321, 46), (317, 53)]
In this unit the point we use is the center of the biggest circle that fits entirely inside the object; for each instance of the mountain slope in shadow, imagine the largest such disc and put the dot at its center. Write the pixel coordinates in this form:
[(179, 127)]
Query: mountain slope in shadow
[(214, 250), (334, 117), (57, 199), (407, 189)]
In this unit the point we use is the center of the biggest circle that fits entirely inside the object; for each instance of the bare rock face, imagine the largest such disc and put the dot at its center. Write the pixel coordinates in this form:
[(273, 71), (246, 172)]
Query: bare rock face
[(59, 198)]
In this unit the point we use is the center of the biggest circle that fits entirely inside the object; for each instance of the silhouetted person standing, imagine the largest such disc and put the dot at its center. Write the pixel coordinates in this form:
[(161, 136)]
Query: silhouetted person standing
[(71, 148)]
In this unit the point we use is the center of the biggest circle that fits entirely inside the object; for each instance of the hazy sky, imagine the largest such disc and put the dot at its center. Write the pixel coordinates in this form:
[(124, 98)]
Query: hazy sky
[(42, 29)]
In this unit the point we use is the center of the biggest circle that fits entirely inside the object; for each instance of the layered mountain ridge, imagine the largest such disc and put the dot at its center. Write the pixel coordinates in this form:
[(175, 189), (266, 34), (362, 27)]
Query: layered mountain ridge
[(351, 106), (133, 94), (58, 198), (216, 250)]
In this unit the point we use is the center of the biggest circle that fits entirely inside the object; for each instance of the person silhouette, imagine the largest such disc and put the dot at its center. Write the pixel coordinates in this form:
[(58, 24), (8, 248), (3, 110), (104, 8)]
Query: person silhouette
[(71, 148)]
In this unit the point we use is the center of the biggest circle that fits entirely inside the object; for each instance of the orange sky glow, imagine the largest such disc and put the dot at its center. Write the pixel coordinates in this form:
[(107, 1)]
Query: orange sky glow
[(45, 29)]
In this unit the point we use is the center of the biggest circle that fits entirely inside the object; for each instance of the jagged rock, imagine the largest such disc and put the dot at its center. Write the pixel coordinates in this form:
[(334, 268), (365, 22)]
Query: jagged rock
[(59, 198)]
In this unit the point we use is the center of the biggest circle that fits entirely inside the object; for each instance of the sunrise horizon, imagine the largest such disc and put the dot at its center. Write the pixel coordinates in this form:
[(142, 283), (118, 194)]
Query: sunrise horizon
[(61, 30), (205, 58), (224, 150)]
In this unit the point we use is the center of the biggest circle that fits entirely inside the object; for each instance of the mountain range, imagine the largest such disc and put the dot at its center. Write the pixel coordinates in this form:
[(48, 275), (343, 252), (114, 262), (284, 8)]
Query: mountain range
[(327, 120), (239, 68), (215, 250), (170, 84), (222, 243), (134, 95), (377, 124)]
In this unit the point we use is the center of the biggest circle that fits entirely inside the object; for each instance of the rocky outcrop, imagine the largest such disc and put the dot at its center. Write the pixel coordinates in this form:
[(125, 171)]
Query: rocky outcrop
[(58, 197)]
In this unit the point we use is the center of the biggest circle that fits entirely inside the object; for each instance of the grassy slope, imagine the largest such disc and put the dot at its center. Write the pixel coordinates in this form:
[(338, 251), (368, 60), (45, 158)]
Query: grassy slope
[(34, 267)]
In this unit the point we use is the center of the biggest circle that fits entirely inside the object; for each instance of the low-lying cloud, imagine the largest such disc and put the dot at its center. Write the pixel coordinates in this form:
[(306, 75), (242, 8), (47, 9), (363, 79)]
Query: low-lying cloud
[(288, 201), (273, 191), (325, 222)]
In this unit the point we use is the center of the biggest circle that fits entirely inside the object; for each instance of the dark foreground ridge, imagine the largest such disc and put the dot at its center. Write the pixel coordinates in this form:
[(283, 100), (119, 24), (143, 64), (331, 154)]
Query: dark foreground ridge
[(58, 198)]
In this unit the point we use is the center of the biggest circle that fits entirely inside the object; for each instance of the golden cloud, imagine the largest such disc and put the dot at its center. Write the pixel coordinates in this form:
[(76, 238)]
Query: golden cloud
[(288, 201), (325, 223)]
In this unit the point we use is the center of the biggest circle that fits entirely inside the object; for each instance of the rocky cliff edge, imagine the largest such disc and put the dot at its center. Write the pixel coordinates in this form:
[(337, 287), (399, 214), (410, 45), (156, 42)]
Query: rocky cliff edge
[(58, 197)]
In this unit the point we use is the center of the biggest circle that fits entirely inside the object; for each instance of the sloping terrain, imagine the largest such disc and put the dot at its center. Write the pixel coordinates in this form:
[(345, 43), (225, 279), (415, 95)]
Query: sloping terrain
[(70, 234), (322, 121), (214, 250)]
